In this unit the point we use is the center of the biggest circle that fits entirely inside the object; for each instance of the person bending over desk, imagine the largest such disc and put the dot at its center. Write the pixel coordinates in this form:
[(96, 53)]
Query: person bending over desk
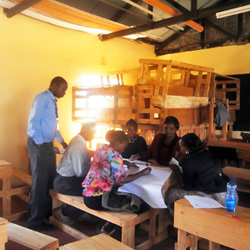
[(164, 146), (137, 144), (107, 170), (72, 170), (202, 174)]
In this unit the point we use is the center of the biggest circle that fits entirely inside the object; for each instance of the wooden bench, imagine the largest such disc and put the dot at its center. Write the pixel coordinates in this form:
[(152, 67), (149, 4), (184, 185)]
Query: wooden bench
[(242, 177), (30, 238), (3, 233), (218, 226), (97, 242), (127, 221), (6, 173)]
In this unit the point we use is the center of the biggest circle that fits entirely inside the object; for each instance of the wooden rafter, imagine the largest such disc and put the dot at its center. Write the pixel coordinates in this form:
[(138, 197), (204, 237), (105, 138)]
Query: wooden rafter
[(173, 20), (170, 11), (18, 8)]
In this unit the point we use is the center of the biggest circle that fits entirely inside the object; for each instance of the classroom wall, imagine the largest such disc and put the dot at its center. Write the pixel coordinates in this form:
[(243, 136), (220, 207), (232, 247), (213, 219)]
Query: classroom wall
[(226, 60), (31, 54)]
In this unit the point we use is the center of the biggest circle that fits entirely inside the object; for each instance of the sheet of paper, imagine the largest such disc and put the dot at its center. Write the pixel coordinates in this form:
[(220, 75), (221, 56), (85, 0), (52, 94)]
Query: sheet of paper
[(202, 202), (149, 187), (137, 162), (175, 162)]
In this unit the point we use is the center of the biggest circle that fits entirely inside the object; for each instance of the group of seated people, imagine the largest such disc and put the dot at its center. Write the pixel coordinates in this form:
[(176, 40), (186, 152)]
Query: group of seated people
[(77, 175)]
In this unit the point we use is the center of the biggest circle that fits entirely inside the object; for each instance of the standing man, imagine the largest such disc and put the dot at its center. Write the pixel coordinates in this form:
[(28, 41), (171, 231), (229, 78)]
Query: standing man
[(42, 130)]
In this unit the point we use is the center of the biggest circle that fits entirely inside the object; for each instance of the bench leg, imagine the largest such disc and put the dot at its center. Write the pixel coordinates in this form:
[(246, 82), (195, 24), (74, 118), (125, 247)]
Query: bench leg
[(214, 246), (181, 243), (128, 236)]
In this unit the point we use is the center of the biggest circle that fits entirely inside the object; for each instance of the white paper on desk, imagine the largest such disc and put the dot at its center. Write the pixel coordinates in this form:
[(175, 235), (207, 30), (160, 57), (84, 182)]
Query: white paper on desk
[(175, 162), (137, 162), (149, 187), (202, 202)]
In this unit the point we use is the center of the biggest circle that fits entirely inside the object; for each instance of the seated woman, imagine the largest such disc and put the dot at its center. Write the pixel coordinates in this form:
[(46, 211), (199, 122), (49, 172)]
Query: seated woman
[(137, 144), (107, 170), (164, 146), (202, 174)]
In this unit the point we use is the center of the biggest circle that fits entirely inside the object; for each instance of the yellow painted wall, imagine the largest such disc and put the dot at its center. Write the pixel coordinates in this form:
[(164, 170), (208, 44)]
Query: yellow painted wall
[(31, 54), (226, 60)]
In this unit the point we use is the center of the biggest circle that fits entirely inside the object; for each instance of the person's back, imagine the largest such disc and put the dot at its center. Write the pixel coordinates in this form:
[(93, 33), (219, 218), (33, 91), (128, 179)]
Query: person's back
[(201, 172), (76, 159)]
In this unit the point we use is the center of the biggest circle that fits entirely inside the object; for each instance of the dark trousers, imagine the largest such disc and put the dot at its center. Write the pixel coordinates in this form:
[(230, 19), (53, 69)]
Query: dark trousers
[(43, 171), (69, 186)]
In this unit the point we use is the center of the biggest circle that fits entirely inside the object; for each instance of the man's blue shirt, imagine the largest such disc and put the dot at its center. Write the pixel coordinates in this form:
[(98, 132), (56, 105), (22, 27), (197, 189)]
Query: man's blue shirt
[(42, 126)]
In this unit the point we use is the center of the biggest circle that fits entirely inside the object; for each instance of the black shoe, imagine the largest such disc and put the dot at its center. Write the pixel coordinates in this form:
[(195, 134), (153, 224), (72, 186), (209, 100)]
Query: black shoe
[(42, 227)]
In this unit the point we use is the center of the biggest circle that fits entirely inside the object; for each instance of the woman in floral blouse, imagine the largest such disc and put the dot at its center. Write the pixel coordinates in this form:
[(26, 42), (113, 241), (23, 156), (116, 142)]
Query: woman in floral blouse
[(107, 170)]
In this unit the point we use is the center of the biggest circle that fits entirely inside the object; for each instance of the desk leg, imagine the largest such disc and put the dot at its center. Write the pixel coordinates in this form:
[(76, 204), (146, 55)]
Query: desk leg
[(214, 246), (128, 236), (182, 237)]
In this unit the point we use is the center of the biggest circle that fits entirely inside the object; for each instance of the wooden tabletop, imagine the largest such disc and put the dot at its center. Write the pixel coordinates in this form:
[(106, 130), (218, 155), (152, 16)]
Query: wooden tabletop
[(97, 242), (231, 229)]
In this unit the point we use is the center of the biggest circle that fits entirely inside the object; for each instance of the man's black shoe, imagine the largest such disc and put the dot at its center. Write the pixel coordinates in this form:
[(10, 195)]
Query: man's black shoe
[(42, 227)]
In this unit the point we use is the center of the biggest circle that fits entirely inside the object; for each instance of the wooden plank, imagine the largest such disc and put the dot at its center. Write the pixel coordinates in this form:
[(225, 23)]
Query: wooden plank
[(30, 238), (230, 144), (75, 16), (235, 226), (20, 175), (3, 232), (241, 173), (97, 242)]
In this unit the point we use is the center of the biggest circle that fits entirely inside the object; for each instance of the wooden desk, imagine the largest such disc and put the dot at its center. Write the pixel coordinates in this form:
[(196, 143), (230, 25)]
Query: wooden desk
[(216, 225), (230, 144), (3, 233), (97, 242), (6, 173)]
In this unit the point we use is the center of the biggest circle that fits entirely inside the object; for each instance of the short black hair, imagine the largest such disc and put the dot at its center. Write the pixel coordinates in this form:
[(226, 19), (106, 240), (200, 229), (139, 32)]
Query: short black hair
[(58, 80), (173, 120), (116, 135), (132, 122), (192, 142)]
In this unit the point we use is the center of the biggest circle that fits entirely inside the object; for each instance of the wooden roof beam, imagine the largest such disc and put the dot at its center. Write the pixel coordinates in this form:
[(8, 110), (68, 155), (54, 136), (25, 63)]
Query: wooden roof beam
[(170, 11), (18, 8), (173, 20)]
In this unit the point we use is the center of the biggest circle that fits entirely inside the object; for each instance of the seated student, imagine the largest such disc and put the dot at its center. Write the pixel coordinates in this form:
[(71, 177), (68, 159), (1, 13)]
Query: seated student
[(164, 146), (202, 174), (137, 143), (107, 170), (72, 170)]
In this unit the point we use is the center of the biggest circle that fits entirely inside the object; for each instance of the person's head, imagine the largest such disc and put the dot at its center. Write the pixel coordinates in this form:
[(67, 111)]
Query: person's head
[(117, 139), (58, 86), (131, 128), (171, 125), (88, 130), (190, 143)]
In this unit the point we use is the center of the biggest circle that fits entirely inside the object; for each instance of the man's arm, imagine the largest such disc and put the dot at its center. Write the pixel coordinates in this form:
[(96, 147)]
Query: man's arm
[(35, 119)]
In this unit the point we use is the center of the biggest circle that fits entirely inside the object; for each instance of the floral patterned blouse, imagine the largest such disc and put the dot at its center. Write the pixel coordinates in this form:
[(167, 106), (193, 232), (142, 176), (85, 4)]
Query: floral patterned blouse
[(106, 170)]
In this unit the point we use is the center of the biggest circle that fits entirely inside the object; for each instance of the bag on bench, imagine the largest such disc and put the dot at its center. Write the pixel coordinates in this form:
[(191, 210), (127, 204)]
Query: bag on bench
[(119, 201)]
